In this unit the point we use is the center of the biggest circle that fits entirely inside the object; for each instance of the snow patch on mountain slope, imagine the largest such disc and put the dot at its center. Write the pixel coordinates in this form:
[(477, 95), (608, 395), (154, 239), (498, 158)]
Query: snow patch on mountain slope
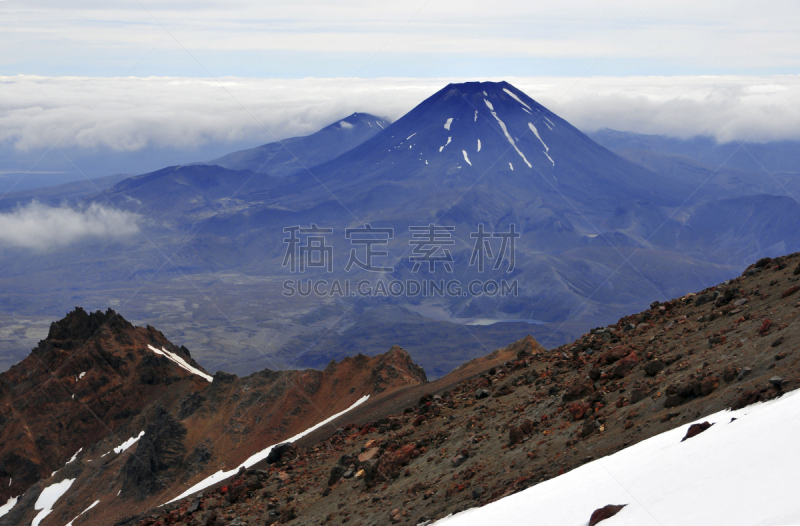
[(413, 134), (465, 157), (511, 166), (48, 498), (448, 123), (546, 149), (739, 472), (515, 97), (505, 131), (449, 139), (127, 444), (8, 506), (219, 476), (479, 145), (488, 104), (181, 362), (92, 505), (74, 456), (536, 132)]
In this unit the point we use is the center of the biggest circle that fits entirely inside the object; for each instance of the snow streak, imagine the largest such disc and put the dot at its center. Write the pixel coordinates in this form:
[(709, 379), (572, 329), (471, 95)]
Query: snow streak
[(508, 135), (180, 362)]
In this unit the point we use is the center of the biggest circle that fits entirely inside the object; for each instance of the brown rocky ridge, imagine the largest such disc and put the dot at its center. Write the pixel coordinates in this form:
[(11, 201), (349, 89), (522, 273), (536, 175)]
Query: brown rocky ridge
[(83, 383), (192, 427)]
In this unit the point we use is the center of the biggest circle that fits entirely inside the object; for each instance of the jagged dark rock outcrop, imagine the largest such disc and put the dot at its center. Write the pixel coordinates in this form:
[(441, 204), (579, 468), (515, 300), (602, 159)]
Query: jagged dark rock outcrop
[(158, 457), (88, 379)]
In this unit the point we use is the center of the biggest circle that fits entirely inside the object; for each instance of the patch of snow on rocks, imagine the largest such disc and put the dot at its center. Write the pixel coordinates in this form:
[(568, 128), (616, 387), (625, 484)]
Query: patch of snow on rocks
[(92, 505), (180, 362), (219, 476), (48, 497), (8, 506)]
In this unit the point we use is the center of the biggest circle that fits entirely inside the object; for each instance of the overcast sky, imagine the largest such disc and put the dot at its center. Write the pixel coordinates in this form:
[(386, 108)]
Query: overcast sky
[(421, 38), (132, 74)]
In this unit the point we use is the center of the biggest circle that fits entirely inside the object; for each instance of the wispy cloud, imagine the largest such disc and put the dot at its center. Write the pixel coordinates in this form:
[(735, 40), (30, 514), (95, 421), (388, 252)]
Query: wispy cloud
[(188, 113), (39, 227)]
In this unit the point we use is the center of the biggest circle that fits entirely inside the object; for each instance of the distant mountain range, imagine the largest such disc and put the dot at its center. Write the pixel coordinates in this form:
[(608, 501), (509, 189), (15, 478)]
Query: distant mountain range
[(602, 231)]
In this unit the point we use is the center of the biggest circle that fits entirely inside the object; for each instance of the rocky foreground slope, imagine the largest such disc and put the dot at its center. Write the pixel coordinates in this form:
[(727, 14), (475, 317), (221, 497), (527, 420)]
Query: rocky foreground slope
[(470, 439), (419, 451)]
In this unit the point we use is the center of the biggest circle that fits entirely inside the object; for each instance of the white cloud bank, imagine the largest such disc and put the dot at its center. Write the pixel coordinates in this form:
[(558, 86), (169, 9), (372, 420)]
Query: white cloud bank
[(183, 113), (40, 227)]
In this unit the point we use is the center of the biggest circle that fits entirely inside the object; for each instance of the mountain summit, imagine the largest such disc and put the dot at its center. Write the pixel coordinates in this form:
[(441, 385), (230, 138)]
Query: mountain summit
[(297, 153), (492, 133)]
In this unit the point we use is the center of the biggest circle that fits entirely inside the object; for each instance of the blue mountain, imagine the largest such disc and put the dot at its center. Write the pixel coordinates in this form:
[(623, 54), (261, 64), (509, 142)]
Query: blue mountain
[(600, 235), (295, 154)]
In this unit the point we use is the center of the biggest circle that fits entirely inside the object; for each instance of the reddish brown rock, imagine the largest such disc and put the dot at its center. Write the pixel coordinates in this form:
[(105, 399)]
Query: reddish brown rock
[(708, 385), (515, 436), (578, 389), (578, 410), (614, 354), (790, 291), (527, 426), (626, 365)]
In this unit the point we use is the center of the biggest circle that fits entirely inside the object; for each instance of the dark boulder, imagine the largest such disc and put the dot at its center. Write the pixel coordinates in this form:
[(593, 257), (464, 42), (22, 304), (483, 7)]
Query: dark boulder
[(653, 367), (606, 512), (696, 429)]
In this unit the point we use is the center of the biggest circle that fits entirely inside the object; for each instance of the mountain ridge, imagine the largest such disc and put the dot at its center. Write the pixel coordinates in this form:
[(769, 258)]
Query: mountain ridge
[(417, 450), (97, 380)]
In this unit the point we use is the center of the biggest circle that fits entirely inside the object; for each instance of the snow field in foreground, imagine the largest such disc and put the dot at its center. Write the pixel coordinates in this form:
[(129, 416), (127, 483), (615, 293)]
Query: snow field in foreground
[(736, 473)]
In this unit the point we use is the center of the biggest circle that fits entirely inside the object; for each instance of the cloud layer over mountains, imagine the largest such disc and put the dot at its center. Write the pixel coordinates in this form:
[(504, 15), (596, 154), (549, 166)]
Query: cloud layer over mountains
[(40, 227), (131, 114)]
